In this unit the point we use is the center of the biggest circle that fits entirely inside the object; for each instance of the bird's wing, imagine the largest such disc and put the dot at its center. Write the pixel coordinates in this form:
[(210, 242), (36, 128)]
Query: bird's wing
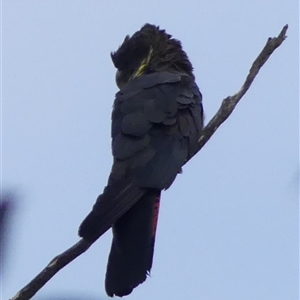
[(156, 122)]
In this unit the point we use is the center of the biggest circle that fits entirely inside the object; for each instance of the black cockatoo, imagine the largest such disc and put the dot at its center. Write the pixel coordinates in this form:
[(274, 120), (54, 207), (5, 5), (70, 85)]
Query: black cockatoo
[(157, 119)]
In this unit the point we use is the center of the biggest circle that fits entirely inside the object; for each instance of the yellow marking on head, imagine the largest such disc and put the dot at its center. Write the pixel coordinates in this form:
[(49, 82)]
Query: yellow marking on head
[(143, 65)]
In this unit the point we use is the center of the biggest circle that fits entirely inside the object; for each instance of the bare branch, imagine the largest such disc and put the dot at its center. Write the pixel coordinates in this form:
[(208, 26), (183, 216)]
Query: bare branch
[(227, 106), (229, 103), (51, 269)]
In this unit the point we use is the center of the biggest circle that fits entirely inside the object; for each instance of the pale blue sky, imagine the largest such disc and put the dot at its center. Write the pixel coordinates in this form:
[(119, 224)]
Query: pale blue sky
[(228, 227)]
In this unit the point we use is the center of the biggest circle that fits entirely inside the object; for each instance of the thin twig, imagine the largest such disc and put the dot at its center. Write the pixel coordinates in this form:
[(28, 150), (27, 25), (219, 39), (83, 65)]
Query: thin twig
[(227, 106)]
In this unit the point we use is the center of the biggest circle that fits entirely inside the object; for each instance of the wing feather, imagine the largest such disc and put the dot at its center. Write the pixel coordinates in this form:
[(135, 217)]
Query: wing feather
[(156, 120)]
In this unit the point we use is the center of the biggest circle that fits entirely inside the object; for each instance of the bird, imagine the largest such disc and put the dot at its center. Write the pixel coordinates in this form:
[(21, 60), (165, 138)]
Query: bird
[(157, 119)]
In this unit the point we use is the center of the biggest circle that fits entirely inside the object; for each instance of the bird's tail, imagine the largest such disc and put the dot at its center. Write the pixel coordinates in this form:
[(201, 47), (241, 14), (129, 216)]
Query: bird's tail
[(118, 197), (131, 254)]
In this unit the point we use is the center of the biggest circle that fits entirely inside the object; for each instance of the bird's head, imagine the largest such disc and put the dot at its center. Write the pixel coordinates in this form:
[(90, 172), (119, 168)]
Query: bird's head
[(147, 51)]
